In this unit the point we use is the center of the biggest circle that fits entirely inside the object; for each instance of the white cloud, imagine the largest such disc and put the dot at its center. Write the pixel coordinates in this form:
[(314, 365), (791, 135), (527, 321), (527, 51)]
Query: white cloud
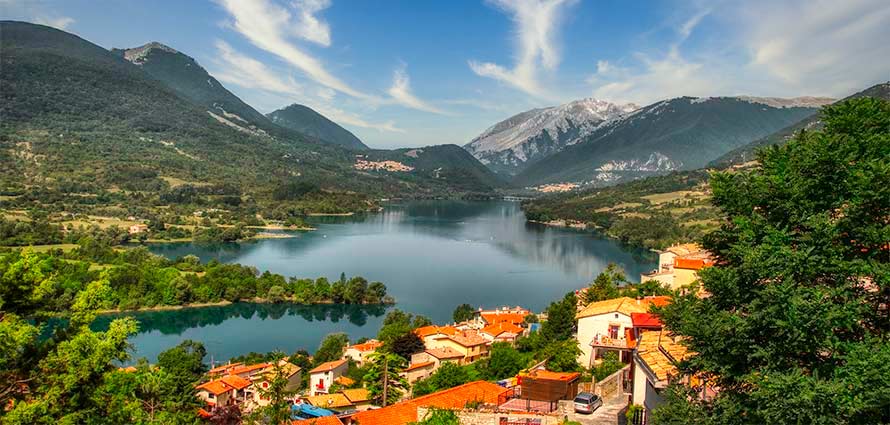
[(536, 24), (401, 93), (231, 66), (60, 22), (309, 26), (268, 25), (818, 46)]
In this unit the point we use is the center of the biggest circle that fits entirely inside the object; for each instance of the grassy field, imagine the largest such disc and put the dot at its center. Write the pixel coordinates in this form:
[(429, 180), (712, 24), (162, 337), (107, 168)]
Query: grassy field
[(44, 248), (102, 222)]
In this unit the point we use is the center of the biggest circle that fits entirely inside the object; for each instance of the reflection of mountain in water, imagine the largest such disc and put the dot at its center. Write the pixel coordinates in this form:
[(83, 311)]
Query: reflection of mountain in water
[(174, 322)]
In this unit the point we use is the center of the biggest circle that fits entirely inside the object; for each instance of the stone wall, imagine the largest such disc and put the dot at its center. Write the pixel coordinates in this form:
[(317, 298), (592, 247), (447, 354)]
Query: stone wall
[(612, 385), (470, 417)]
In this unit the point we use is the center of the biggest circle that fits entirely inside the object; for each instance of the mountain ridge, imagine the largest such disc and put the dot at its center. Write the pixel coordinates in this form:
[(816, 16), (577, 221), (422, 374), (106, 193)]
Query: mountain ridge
[(307, 121)]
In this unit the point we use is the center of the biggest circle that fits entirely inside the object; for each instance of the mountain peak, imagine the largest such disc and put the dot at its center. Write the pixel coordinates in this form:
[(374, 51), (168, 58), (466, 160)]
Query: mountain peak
[(137, 55), (306, 120)]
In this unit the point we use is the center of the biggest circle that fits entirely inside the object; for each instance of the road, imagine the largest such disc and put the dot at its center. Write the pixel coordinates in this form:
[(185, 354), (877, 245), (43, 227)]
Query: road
[(611, 413)]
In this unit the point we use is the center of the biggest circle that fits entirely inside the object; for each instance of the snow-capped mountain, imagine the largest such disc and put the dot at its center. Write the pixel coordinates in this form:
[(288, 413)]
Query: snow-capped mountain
[(522, 139)]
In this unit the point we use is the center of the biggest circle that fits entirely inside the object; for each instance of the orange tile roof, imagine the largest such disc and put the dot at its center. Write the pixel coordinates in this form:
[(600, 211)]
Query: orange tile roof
[(366, 346), (468, 339), (426, 331), (324, 420), (249, 368), (552, 376), (327, 366), (659, 351), (624, 305), (692, 263), (444, 353), (685, 249), (224, 384), (452, 398), (223, 368), (499, 328), (357, 395), (416, 366), (344, 380), (334, 400), (499, 317), (645, 320)]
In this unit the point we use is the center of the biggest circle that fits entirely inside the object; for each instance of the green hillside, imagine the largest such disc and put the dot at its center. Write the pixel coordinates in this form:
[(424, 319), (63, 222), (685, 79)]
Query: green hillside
[(676, 134), (306, 121), (747, 152)]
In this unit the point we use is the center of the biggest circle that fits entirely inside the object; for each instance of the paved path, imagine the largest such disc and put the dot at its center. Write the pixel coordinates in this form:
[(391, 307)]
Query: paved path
[(611, 413)]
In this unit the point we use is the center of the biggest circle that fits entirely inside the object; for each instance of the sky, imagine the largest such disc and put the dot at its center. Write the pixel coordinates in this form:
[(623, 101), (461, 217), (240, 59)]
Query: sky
[(415, 73)]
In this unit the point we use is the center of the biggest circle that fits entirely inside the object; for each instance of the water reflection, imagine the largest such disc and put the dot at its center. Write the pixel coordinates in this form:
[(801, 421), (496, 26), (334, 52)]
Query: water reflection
[(175, 322)]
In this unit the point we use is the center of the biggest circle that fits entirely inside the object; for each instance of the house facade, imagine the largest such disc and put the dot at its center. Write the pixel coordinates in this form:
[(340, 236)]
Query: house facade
[(678, 265), (360, 352), (654, 366), (322, 377), (226, 391), (607, 326), (469, 344)]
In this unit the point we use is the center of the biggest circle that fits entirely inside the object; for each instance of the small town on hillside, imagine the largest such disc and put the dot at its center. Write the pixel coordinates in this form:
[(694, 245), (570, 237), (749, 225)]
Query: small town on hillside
[(621, 328)]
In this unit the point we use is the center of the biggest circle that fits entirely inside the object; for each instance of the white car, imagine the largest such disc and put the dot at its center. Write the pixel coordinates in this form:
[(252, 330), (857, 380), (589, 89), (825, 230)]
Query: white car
[(587, 403)]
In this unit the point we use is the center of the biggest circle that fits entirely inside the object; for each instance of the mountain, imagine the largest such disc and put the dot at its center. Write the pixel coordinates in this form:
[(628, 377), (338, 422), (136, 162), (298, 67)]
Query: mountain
[(305, 120), (88, 126), (676, 134), (745, 153), (448, 166), (511, 145)]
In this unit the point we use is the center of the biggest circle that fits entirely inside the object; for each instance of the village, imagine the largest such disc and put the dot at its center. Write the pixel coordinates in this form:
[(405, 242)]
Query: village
[(621, 328)]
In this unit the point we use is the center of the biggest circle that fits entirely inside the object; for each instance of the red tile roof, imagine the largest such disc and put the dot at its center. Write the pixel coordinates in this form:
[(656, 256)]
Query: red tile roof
[(645, 320), (499, 317), (324, 367), (452, 398), (426, 331), (249, 368), (468, 339), (444, 353), (502, 327), (552, 376), (224, 384), (366, 346), (691, 263), (223, 368)]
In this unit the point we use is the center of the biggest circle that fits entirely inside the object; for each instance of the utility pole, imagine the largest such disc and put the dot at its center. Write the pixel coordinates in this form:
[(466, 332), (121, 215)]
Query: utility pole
[(385, 377)]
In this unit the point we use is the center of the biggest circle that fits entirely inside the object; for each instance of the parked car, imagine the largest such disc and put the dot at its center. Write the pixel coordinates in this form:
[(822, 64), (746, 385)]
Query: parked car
[(587, 403)]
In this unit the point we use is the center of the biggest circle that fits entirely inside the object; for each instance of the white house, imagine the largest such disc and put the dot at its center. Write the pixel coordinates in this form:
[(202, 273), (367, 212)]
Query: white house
[(608, 326), (226, 391), (261, 382), (322, 377), (654, 365), (359, 352)]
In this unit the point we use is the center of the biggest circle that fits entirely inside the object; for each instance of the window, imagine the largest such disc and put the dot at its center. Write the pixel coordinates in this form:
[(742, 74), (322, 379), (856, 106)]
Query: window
[(265, 385)]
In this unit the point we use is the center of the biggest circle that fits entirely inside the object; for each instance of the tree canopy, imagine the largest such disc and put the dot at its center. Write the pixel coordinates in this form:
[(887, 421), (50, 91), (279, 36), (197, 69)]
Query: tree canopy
[(795, 328)]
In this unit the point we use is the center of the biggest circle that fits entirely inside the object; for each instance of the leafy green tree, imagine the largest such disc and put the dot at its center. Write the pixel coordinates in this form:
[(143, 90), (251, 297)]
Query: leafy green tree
[(278, 410), (606, 285), (561, 356), (463, 312), (609, 365), (331, 348), (448, 375), (795, 328), (382, 379), (560, 322), (504, 361)]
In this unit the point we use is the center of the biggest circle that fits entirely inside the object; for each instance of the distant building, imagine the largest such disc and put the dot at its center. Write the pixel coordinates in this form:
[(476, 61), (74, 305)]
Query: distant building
[(359, 352), (262, 380), (322, 377), (501, 332), (678, 265), (423, 364), (468, 343), (226, 391), (138, 228)]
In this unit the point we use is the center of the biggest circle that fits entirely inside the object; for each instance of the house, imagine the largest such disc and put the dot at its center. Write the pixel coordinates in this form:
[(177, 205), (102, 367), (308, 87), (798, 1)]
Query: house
[(607, 326), (423, 364), (513, 315), (226, 391), (138, 228), (429, 333), (469, 343), (678, 265), (322, 377), (501, 332), (654, 366), (222, 369), (359, 397), (406, 412), (336, 402), (248, 371), (359, 352), (262, 381)]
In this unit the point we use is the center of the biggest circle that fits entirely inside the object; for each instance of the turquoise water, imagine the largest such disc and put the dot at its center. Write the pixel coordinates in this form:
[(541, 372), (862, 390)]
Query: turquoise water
[(431, 255)]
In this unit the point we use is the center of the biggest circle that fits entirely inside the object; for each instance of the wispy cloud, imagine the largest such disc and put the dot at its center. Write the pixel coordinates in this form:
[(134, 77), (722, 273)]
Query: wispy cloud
[(35, 12), (233, 67), (400, 91), (269, 27), (536, 23), (60, 22)]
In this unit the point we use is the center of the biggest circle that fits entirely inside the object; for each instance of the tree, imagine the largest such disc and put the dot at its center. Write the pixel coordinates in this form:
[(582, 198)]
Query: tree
[(406, 345), (331, 348), (448, 375), (795, 328), (184, 365), (436, 416), (397, 323), (463, 313), (504, 362), (277, 392), (560, 319), (384, 384), (606, 285), (561, 356)]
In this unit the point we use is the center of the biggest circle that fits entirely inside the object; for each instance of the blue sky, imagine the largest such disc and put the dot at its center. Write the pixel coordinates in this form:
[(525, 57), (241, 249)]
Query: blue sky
[(414, 73)]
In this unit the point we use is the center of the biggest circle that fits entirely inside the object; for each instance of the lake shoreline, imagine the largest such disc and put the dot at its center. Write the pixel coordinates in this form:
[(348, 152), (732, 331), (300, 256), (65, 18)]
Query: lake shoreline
[(224, 303)]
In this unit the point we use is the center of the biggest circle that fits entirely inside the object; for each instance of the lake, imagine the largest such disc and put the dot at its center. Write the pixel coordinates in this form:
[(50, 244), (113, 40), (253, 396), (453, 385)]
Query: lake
[(432, 256)]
